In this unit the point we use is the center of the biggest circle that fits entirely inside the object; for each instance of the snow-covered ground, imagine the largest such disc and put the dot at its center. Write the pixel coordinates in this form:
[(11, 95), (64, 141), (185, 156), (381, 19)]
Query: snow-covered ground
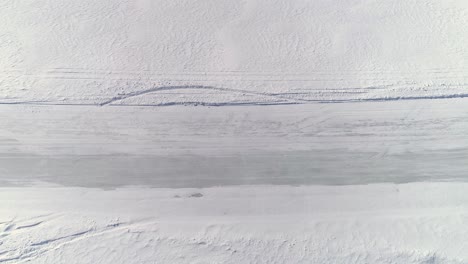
[(220, 131), (162, 52), (409, 223)]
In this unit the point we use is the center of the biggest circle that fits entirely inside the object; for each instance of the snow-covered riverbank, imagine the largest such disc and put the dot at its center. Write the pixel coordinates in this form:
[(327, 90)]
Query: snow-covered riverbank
[(221, 131), (408, 223), (135, 52)]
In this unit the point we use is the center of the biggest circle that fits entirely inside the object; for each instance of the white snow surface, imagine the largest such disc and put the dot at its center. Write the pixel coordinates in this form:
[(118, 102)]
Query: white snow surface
[(224, 52), (83, 136), (408, 223)]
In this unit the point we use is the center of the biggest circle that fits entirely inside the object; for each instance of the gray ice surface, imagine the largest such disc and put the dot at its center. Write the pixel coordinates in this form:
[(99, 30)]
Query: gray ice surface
[(335, 143)]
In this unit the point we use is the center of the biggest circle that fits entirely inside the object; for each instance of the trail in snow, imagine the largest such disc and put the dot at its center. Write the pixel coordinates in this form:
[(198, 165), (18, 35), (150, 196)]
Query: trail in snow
[(216, 94), (248, 52)]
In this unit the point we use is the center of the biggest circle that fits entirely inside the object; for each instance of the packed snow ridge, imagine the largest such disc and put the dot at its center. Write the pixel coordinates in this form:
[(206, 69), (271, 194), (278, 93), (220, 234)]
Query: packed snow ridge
[(146, 52)]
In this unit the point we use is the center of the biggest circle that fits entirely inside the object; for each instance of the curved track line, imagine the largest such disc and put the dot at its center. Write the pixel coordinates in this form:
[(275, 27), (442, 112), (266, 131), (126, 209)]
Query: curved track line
[(186, 87)]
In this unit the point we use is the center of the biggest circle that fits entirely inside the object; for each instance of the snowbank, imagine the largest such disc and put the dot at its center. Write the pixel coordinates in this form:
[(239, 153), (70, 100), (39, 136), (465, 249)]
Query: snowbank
[(409, 223)]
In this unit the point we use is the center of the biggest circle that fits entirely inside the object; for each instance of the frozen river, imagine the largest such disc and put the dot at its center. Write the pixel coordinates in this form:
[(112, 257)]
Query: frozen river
[(253, 131), (328, 143)]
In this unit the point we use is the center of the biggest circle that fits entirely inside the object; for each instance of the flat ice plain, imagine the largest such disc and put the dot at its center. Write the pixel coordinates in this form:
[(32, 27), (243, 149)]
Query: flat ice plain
[(142, 131), (337, 144)]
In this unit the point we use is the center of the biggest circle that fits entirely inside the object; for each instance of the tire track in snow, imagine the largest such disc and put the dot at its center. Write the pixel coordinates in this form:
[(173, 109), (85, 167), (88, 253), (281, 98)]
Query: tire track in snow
[(284, 100), (383, 91), (200, 87), (272, 95)]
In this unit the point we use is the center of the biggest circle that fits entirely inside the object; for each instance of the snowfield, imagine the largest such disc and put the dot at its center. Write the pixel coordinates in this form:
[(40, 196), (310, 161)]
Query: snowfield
[(160, 52), (254, 131), (409, 223)]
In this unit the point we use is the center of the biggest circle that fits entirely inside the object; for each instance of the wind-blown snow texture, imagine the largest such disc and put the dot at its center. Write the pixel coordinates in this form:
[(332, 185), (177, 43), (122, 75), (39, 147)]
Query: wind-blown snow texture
[(161, 52), (74, 61), (410, 223)]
